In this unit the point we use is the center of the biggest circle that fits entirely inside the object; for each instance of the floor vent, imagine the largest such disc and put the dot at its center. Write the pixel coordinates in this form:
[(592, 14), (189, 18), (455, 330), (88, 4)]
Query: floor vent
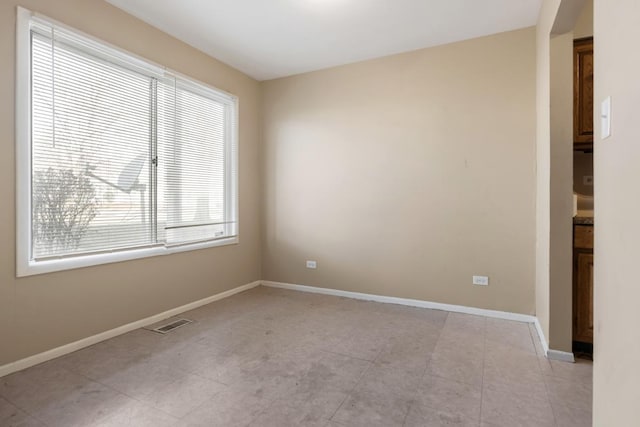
[(171, 326)]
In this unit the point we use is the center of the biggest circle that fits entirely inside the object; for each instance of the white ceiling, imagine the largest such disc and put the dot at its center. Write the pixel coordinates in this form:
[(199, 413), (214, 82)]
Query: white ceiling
[(267, 39)]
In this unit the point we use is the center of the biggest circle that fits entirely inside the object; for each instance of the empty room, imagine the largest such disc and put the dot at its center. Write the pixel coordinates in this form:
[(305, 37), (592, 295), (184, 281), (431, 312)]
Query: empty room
[(325, 213)]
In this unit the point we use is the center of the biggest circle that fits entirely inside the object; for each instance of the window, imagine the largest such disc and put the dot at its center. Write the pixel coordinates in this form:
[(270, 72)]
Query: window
[(117, 158)]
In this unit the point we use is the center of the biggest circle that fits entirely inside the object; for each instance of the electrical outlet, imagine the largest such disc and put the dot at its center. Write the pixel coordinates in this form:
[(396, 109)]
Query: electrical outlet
[(481, 280), (587, 180), (312, 264)]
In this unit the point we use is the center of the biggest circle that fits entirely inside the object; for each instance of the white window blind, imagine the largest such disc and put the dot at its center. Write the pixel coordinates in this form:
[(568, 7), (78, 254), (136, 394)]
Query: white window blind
[(197, 193), (123, 154), (91, 127)]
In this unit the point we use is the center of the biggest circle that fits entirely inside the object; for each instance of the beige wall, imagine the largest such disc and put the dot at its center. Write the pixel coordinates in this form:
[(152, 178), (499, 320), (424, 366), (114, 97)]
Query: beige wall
[(561, 158), (546, 20), (406, 175), (38, 313), (617, 232), (584, 25), (554, 148), (561, 195)]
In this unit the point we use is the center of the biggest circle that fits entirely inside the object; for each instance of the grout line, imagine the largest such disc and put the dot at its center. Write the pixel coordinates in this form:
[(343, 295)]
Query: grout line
[(64, 368), (195, 408), (348, 394), (553, 412), (535, 347), (21, 409), (120, 392), (6, 398), (484, 358), (426, 368), (259, 414), (137, 399), (352, 357), (452, 380)]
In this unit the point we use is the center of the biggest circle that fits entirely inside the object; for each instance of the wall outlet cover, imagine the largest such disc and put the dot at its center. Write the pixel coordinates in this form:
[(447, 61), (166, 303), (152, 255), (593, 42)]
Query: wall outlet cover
[(481, 280)]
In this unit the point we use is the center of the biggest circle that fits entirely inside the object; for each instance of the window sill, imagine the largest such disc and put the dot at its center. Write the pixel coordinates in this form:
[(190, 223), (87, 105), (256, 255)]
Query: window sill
[(31, 268)]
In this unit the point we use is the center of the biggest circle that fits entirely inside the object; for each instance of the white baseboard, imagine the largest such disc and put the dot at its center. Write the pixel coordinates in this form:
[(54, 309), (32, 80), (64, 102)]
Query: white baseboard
[(406, 301), (543, 339), (86, 342), (562, 356), (550, 354)]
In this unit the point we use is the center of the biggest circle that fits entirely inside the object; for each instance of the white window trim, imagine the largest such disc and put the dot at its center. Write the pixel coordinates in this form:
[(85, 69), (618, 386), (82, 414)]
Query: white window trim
[(25, 266)]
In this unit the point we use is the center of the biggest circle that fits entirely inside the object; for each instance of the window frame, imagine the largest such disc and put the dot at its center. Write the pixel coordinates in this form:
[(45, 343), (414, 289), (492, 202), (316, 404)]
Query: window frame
[(25, 264)]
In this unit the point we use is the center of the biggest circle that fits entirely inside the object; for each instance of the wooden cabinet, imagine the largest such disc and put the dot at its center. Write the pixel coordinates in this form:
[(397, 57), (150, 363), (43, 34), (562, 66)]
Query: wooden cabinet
[(583, 284), (583, 93)]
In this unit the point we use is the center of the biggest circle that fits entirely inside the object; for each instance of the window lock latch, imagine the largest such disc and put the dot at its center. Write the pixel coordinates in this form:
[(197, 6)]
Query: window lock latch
[(154, 161)]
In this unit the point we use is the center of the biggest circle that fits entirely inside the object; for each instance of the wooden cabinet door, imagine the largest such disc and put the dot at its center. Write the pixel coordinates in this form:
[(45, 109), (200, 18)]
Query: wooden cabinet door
[(583, 297), (583, 92)]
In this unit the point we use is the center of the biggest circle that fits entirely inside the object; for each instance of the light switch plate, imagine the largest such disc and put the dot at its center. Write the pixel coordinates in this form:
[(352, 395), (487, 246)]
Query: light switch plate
[(605, 118)]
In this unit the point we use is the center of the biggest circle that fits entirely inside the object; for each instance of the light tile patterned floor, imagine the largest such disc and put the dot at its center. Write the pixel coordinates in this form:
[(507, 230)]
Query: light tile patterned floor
[(270, 357)]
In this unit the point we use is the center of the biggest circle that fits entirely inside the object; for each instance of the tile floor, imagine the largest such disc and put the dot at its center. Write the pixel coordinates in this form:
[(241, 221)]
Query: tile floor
[(270, 357)]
